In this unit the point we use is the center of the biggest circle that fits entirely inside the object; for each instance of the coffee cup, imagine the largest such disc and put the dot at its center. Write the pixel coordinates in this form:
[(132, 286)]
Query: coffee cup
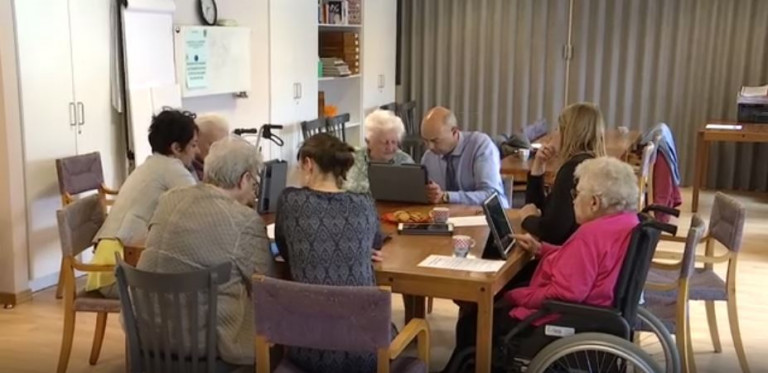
[(461, 245), (440, 215)]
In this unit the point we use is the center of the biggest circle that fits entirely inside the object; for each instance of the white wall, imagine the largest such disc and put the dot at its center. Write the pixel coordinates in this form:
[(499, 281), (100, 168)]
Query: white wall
[(249, 112)]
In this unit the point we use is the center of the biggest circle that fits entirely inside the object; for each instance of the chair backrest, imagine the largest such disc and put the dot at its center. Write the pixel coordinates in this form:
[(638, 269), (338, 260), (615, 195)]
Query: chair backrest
[(170, 318), (392, 106), (78, 223), (407, 113), (634, 270), (646, 175), (337, 126), (695, 233), (414, 146), (726, 223), (79, 173), (312, 127), (342, 318)]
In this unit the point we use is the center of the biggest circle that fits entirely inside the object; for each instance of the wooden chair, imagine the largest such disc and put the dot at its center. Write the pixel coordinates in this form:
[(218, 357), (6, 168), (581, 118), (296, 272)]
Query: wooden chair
[(339, 318), (337, 126), (81, 174), (407, 112), (668, 299), (726, 226), (166, 314), (312, 127), (392, 106), (78, 223)]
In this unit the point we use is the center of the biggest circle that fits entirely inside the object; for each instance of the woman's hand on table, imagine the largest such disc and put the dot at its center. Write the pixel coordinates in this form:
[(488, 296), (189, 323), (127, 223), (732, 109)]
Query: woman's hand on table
[(377, 256), (528, 243), (529, 210)]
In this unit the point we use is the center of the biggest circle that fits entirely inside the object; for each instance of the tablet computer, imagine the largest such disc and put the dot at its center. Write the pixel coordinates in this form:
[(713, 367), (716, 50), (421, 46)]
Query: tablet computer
[(398, 183), (273, 178), (500, 241)]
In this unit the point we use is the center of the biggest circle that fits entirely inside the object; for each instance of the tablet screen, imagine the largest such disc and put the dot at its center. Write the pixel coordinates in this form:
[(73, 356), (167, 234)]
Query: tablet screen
[(497, 219)]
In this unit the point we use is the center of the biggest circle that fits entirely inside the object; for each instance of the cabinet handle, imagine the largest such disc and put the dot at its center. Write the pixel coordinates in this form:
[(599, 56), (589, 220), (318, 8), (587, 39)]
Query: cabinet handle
[(300, 92), (295, 91), (381, 81), (72, 114), (81, 107)]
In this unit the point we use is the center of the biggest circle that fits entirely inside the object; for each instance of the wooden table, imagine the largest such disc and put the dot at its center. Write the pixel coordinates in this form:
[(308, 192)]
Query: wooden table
[(617, 145), (749, 132), (401, 272)]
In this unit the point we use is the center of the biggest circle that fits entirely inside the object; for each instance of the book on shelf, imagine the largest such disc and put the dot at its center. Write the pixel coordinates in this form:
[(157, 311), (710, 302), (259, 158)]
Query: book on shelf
[(336, 12)]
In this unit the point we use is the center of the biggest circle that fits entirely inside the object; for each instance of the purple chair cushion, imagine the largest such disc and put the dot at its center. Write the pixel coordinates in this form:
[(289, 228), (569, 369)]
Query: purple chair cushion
[(80, 173), (399, 365), (93, 301), (705, 284), (661, 306)]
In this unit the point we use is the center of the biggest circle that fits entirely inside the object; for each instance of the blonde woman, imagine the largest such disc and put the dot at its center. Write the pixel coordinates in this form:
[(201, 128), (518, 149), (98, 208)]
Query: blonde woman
[(550, 217)]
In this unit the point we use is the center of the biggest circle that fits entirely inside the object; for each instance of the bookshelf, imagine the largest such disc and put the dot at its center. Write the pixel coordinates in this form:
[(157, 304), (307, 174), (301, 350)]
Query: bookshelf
[(329, 78)]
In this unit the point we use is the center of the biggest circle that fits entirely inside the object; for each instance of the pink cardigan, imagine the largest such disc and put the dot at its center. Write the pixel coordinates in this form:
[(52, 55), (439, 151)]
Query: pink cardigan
[(583, 270)]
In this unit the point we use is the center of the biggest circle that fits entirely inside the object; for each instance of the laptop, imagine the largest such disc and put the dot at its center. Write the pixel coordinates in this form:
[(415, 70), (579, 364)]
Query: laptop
[(499, 243), (273, 179), (398, 183)]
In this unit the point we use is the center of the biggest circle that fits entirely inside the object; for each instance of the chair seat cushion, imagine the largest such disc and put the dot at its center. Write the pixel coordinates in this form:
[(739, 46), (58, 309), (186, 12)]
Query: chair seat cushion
[(93, 301), (705, 284), (399, 365), (661, 306)]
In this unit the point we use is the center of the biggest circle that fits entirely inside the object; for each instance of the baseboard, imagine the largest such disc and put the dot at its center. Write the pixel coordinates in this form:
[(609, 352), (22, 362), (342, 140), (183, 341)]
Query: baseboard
[(10, 300), (44, 282)]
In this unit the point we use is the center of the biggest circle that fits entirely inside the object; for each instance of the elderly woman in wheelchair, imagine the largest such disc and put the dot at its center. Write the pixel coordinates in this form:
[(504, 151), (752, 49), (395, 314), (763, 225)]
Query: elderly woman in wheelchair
[(575, 315)]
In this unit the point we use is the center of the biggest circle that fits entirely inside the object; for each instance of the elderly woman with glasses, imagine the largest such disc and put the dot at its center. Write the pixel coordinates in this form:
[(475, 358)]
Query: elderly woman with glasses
[(383, 132), (204, 225), (586, 267)]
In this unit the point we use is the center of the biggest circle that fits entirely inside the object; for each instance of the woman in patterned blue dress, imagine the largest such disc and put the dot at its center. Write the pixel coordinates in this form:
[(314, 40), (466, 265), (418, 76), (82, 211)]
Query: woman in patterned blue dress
[(325, 235)]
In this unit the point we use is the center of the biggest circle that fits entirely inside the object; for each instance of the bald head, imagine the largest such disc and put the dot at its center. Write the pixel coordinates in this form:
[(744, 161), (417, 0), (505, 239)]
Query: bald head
[(440, 130), (211, 128)]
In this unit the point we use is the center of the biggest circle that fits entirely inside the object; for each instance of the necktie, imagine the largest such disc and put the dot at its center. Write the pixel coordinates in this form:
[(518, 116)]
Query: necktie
[(451, 184)]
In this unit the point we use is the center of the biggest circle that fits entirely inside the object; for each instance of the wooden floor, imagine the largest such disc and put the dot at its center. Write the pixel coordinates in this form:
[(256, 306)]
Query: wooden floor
[(30, 335)]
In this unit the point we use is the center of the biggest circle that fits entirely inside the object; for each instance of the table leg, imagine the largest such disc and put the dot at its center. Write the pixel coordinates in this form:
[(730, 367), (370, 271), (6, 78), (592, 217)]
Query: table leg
[(414, 306), (698, 170), (484, 333)]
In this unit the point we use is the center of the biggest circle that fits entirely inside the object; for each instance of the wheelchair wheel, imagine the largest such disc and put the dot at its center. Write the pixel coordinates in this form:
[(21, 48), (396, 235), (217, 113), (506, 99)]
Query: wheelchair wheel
[(592, 353), (661, 346)]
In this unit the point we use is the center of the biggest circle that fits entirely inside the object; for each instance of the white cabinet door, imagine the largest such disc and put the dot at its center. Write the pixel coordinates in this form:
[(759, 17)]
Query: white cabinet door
[(379, 52), (45, 75), (293, 55), (97, 129)]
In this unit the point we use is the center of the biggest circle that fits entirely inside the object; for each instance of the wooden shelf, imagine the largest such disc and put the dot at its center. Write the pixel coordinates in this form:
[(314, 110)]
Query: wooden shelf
[(330, 26), (334, 78)]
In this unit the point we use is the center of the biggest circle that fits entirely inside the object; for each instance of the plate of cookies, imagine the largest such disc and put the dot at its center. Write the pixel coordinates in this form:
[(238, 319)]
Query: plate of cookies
[(402, 216)]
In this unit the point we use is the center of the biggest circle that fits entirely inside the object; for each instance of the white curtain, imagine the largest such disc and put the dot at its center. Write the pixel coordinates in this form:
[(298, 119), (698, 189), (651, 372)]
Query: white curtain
[(500, 64)]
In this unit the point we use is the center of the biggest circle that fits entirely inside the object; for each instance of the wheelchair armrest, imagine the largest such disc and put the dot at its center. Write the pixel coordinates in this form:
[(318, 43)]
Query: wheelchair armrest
[(662, 209), (578, 310)]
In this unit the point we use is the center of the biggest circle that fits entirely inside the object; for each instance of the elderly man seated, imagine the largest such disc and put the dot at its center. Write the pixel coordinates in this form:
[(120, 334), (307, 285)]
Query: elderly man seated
[(586, 267), (212, 128), (463, 167), (201, 226), (383, 132)]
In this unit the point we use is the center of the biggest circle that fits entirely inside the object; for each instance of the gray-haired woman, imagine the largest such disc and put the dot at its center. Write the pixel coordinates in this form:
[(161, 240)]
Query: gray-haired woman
[(383, 132), (211, 223)]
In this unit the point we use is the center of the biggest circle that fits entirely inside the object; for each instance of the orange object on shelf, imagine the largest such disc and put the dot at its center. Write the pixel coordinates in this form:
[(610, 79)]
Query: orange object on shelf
[(330, 111)]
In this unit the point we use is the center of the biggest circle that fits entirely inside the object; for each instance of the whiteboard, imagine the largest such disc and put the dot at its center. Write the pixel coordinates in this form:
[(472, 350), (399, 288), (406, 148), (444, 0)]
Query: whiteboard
[(226, 60)]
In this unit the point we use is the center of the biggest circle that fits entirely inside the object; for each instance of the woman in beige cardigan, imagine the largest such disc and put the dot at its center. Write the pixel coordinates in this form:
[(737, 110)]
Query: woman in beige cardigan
[(173, 137)]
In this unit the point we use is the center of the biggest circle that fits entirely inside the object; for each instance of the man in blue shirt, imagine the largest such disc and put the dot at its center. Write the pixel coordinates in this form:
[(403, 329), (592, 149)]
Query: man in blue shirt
[(463, 167)]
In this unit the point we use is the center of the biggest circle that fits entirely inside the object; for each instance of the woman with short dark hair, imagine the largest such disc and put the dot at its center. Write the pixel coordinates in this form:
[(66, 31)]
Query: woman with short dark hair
[(173, 137), (325, 235)]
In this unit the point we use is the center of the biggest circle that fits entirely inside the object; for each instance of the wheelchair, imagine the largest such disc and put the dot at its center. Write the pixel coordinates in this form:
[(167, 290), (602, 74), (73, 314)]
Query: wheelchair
[(587, 338)]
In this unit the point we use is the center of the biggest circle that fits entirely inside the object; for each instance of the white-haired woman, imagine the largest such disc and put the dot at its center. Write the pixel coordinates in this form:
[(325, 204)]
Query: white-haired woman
[(201, 226), (213, 128), (383, 132), (586, 267)]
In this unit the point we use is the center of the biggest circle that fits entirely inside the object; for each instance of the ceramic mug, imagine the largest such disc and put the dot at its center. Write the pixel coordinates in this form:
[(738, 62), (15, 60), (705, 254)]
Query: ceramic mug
[(461, 245), (440, 215)]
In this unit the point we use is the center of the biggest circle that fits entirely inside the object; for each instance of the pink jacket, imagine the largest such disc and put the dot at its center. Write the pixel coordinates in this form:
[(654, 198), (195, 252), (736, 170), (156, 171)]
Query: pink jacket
[(583, 270)]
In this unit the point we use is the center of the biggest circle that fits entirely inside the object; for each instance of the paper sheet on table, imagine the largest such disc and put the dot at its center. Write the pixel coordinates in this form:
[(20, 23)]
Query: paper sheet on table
[(461, 264), (723, 126), (271, 231), (468, 221)]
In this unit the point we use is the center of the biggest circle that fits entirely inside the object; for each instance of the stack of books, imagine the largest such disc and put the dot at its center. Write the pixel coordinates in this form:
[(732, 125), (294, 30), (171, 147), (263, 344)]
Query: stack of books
[(342, 45), (339, 12), (335, 67)]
